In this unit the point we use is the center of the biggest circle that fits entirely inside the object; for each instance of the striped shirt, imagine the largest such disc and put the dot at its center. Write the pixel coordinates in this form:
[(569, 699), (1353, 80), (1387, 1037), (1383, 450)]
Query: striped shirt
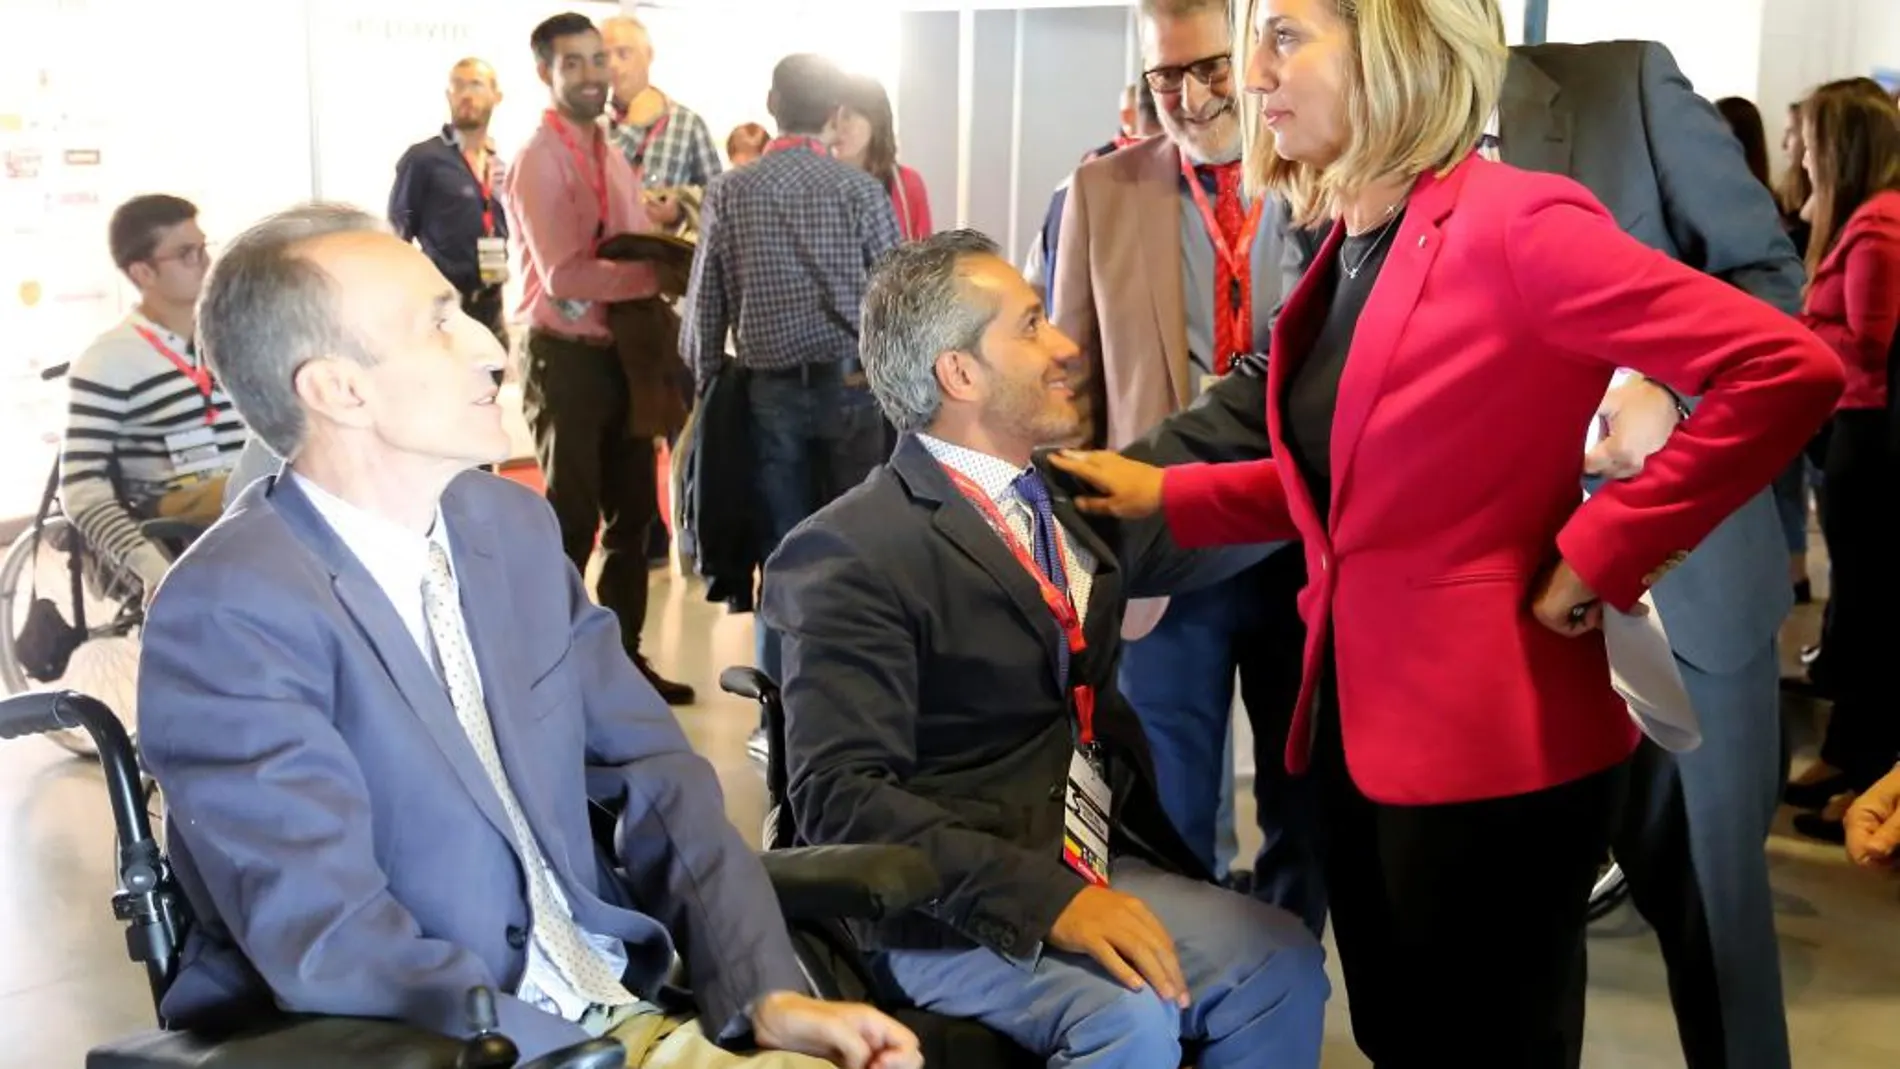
[(133, 420)]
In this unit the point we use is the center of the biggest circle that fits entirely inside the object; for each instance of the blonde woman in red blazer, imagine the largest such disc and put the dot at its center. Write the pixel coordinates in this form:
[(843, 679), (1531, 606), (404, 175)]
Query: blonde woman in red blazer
[(1852, 133), (1432, 379)]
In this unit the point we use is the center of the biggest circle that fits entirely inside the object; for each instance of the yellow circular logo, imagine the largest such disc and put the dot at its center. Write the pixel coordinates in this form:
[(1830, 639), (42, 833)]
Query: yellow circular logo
[(29, 293)]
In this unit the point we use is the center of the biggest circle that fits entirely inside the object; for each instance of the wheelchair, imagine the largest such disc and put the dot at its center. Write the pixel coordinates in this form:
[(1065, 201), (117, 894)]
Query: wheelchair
[(947, 1041), (69, 619), (818, 889)]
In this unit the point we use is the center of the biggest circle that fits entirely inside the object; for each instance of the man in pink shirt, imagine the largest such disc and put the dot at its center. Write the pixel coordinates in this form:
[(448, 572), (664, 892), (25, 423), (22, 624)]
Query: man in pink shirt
[(568, 190)]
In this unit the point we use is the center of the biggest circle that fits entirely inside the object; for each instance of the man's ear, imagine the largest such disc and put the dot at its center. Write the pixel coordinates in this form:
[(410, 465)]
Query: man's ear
[(957, 375), (331, 388), (142, 274), (546, 73)]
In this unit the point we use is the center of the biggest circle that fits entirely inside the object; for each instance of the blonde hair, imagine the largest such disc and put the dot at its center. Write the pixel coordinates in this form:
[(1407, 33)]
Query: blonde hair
[(1427, 79)]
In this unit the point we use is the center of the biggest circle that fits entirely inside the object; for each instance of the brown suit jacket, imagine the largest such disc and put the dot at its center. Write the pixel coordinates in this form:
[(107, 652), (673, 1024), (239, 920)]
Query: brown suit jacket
[(1117, 290)]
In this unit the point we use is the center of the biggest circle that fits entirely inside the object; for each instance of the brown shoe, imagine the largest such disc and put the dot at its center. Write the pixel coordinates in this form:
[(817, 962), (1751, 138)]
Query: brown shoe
[(671, 692)]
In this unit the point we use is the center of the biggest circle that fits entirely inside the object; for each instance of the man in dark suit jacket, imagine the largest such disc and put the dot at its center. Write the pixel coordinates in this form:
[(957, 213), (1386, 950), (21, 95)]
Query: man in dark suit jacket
[(379, 702), (932, 699), (1620, 118)]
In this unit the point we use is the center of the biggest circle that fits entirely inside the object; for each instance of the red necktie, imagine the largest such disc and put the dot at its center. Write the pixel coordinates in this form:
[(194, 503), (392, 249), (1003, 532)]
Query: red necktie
[(1229, 298)]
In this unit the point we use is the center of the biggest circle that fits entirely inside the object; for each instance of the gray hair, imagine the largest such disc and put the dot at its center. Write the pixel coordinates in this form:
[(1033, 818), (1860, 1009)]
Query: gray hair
[(267, 310), (915, 309)]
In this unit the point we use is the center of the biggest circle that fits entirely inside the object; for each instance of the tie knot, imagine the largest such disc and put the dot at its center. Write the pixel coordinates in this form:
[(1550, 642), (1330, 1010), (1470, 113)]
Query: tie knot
[(1030, 487)]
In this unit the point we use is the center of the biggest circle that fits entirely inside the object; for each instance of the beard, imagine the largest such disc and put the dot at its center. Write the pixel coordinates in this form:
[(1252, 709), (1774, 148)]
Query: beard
[(1213, 139), (466, 119), (1026, 410), (581, 106)]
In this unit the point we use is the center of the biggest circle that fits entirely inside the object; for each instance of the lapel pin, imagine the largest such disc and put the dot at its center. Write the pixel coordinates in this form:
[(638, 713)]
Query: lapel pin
[(1421, 241)]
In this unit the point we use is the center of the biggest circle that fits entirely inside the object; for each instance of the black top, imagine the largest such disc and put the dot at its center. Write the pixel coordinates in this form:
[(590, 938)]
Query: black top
[(1312, 393), (437, 202)]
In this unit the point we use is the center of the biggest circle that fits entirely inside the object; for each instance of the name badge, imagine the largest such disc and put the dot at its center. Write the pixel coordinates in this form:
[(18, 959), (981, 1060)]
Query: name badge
[(193, 451), (491, 256), (1085, 821)]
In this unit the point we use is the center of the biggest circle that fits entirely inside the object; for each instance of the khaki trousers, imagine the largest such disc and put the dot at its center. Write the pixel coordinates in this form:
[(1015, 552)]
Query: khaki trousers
[(655, 1041)]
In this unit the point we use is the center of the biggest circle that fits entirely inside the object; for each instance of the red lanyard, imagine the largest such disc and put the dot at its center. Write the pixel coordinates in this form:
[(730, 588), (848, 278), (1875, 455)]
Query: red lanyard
[(652, 135), (1061, 606), (812, 144), (597, 175), (483, 180), (1238, 259), (199, 375)]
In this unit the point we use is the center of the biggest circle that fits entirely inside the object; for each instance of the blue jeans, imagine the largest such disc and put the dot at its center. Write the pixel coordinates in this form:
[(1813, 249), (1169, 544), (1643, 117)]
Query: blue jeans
[(813, 438), (1180, 680), (1256, 980)]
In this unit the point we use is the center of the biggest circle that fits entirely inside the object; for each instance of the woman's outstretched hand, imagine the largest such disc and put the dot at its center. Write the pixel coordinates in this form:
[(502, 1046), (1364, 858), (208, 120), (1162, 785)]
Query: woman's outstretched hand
[(1130, 490)]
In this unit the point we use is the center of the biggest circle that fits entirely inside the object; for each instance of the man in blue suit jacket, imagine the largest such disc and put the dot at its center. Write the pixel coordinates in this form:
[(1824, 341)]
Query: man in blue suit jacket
[(379, 702)]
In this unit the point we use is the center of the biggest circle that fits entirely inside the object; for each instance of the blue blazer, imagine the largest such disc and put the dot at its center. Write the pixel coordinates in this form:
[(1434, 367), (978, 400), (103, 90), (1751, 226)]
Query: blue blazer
[(342, 848)]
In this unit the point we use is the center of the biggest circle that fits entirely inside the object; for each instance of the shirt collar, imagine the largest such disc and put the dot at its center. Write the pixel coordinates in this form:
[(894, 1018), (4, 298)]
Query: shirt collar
[(396, 557), (994, 476), (180, 345), (452, 136)]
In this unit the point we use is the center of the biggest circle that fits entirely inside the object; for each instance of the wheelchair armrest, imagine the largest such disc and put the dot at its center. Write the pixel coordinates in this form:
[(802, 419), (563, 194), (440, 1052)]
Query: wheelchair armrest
[(285, 1043), (863, 883)]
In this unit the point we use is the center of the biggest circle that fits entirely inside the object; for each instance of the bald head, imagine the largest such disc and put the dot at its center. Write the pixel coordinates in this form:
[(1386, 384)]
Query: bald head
[(473, 93), (629, 56)]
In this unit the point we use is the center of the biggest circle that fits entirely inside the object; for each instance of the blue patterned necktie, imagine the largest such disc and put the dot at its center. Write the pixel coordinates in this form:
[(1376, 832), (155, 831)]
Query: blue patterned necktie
[(1046, 544)]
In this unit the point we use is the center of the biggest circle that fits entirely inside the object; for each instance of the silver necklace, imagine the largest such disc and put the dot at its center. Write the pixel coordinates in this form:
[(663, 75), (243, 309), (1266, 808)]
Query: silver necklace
[(1391, 217)]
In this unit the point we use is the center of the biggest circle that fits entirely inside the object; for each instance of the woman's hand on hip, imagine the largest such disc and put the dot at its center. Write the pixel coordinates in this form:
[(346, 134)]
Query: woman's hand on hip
[(1129, 489), (1563, 602)]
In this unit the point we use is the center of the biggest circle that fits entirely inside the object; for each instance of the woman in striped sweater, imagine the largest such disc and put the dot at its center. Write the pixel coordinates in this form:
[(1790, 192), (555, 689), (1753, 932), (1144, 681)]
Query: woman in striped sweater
[(148, 433)]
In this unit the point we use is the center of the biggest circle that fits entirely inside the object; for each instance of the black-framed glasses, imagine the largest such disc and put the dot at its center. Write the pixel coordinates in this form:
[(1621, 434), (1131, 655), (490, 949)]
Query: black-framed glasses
[(1209, 71)]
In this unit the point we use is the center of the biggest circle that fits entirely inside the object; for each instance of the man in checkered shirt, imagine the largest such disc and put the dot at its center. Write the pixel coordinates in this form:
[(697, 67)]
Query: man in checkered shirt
[(667, 143), (785, 247)]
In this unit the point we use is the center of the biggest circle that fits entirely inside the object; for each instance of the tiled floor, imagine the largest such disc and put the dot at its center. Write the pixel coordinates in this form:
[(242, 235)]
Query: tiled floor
[(65, 984)]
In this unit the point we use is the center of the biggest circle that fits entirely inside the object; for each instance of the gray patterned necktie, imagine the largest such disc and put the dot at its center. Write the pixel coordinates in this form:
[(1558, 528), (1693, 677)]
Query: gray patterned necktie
[(555, 932)]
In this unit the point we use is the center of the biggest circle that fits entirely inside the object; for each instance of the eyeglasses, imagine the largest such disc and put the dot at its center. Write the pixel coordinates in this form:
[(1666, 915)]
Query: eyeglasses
[(190, 256), (1209, 71)]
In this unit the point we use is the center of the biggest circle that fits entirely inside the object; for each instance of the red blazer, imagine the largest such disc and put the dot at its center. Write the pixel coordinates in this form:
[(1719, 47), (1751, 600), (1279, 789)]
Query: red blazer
[(911, 201), (1854, 298), (1505, 303)]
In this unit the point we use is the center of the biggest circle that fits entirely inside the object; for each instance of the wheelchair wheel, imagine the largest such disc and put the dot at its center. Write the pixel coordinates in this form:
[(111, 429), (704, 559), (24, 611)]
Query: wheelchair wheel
[(1611, 888), (105, 662)]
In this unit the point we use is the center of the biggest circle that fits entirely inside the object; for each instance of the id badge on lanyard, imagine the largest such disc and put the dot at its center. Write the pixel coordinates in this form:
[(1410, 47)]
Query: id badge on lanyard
[(491, 257)]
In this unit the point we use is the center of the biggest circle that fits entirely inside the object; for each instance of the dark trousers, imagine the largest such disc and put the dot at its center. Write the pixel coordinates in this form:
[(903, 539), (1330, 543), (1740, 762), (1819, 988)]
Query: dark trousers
[(813, 438), (600, 478), (484, 307), (1860, 518), (1460, 927)]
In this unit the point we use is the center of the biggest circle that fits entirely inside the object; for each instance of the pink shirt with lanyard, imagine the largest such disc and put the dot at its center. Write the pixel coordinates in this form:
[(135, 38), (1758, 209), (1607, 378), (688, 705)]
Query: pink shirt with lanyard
[(567, 191)]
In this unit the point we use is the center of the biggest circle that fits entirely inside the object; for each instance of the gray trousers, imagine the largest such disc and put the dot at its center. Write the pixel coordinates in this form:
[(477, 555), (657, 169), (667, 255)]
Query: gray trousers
[(1693, 842)]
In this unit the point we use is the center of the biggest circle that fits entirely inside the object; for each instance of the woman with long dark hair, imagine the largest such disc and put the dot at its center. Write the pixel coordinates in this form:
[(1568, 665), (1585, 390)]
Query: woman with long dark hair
[(1791, 486), (867, 139), (1852, 135)]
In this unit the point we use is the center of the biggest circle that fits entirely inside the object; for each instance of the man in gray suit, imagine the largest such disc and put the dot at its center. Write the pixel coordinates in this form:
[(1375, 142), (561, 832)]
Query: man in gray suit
[(379, 703), (1620, 118)]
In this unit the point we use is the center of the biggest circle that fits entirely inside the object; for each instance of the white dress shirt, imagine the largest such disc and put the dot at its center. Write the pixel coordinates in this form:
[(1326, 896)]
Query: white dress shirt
[(398, 559)]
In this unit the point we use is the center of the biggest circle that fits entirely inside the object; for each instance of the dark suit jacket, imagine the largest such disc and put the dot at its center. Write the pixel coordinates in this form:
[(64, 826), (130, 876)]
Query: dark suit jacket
[(1619, 117), (340, 843), (921, 707)]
